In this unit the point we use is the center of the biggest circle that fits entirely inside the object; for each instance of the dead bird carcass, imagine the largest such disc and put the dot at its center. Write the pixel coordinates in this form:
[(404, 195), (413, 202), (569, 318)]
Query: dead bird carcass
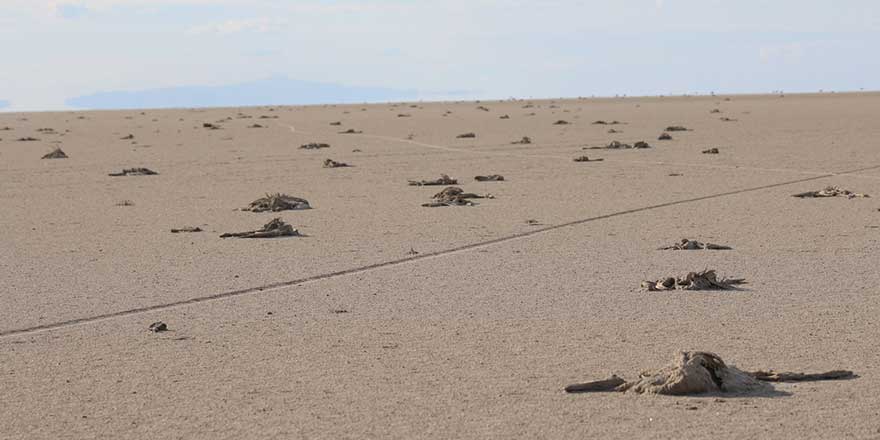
[(705, 280), (454, 196), (690, 245), (443, 180), (330, 163), (134, 172), (56, 153), (830, 191), (275, 228), (697, 372), (277, 202)]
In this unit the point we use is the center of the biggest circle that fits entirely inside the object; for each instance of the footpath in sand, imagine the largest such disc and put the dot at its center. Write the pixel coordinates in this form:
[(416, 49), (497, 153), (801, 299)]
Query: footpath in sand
[(386, 319)]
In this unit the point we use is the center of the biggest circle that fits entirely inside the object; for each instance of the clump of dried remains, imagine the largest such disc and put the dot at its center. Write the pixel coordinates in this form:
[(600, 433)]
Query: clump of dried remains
[(55, 154), (330, 163), (275, 228), (443, 180), (489, 178), (615, 145), (134, 172), (186, 229), (277, 202), (314, 146), (697, 372), (830, 191), (454, 196), (689, 245), (705, 280)]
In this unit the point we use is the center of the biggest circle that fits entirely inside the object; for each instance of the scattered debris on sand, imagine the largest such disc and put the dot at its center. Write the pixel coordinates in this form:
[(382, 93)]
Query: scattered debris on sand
[(158, 327), (356, 150), (403, 115), (613, 131), (705, 280), (524, 141), (532, 222), (47, 130), (336, 123), (443, 180), (330, 163), (125, 203), (27, 139), (690, 245), (561, 122), (489, 178), (676, 128), (454, 196), (466, 136), (412, 251), (268, 117), (314, 146), (664, 137), (127, 137), (504, 117), (726, 119), (186, 229), (210, 126), (587, 159), (485, 109), (351, 131), (134, 172), (711, 151), (697, 372), (55, 154), (277, 202), (275, 228), (715, 110), (615, 145), (256, 126), (830, 191), (601, 122)]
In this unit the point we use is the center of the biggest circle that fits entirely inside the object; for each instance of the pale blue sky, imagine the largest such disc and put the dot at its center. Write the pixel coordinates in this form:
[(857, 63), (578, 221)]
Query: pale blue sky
[(56, 51)]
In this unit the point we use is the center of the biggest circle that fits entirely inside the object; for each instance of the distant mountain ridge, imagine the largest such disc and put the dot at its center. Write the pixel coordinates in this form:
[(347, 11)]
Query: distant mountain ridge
[(272, 91)]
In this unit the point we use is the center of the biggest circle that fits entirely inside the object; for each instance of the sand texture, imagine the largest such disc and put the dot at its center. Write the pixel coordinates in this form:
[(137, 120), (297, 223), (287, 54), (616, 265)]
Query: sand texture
[(385, 319)]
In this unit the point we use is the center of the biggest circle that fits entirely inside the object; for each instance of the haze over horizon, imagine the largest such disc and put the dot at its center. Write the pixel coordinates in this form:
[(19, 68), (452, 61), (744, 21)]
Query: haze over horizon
[(191, 53)]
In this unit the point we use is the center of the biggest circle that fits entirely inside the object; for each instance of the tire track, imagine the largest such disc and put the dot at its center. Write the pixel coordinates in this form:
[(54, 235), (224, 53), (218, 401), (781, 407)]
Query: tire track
[(397, 262)]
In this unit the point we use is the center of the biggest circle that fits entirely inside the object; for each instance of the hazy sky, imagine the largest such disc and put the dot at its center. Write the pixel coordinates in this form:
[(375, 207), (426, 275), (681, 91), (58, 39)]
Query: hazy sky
[(62, 49)]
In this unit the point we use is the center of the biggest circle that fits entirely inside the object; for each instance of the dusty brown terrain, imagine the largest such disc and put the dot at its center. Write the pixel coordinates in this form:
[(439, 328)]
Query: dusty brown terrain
[(343, 332)]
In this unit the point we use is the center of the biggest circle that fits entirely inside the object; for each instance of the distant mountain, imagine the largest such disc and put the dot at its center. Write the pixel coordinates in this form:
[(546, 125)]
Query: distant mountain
[(3, 103), (273, 91)]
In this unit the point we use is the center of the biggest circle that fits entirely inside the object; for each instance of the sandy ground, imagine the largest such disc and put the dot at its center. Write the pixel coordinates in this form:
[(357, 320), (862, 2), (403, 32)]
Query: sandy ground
[(342, 333)]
